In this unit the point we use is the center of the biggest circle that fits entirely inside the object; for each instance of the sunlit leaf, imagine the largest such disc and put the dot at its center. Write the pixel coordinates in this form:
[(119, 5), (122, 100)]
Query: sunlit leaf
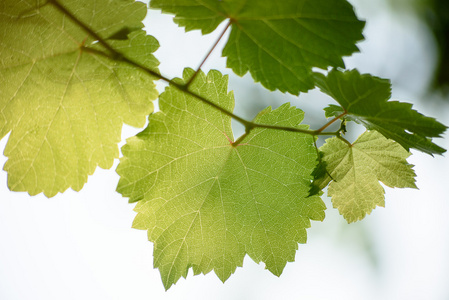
[(207, 203), (62, 100), (354, 172)]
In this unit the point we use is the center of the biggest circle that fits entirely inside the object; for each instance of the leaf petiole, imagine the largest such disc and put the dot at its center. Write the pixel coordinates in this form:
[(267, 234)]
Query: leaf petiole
[(207, 56), (332, 121)]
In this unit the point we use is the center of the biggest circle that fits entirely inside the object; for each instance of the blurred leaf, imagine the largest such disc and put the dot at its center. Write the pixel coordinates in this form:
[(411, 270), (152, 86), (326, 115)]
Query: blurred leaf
[(365, 100)]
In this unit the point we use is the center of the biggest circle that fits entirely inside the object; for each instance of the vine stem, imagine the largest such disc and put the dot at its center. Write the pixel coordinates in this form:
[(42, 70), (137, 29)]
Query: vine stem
[(208, 54), (332, 121), (115, 55)]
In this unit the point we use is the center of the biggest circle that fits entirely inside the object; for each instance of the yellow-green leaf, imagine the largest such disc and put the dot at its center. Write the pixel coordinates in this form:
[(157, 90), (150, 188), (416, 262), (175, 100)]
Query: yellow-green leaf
[(61, 98), (207, 203), (356, 170)]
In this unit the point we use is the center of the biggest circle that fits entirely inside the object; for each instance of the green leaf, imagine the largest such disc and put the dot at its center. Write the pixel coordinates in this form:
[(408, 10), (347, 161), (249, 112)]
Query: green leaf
[(63, 100), (205, 202), (191, 14), (333, 111), (355, 171), (279, 42), (365, 100)]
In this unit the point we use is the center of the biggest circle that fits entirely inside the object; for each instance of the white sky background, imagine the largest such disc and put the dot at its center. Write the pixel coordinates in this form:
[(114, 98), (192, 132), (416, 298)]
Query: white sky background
[(81, 245)]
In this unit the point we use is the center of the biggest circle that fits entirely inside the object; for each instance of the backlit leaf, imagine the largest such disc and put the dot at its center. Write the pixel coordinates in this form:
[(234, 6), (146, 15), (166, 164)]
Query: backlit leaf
[(62, 100), (355, 172), (207, 203)]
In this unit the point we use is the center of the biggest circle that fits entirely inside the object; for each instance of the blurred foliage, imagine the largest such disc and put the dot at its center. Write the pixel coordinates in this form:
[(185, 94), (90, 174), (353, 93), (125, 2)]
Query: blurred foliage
[(434, 13)]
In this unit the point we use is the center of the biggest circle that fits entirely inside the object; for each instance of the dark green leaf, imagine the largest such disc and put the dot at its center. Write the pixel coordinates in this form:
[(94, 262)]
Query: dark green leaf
[(365, 99), (278, 42)]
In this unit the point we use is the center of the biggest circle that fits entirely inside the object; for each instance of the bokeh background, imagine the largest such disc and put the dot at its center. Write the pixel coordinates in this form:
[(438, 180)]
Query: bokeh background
[(80, 245)]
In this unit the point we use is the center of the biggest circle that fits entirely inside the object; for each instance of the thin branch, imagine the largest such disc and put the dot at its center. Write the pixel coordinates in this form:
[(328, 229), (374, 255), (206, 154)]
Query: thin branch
[(207, 56), (178, 86), (115, 55)]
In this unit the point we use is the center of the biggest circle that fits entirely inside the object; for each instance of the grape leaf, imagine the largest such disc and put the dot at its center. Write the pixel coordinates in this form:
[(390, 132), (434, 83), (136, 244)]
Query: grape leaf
[(365, 100), (207, 203), (355, 172), (279, 42), (63, 102)]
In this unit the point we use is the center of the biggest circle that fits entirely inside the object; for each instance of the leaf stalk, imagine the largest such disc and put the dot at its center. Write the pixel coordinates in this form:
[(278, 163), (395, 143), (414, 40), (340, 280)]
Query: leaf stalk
[(207, 56)]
